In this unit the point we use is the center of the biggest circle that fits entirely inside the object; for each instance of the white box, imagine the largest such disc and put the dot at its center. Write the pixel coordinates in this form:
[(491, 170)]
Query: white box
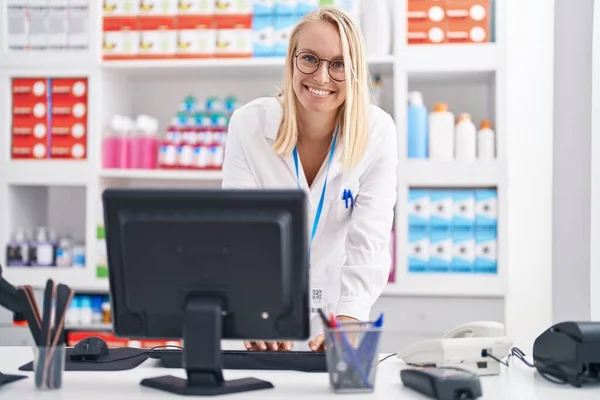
[(38, 33), (16, 29), (197, 7), (158, 8), (236, 7), (78, 29), (58, 34)]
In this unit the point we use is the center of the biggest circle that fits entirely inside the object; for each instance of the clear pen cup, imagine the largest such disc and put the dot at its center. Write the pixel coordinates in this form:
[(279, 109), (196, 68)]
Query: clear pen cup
[(352, 352), (48, 367)]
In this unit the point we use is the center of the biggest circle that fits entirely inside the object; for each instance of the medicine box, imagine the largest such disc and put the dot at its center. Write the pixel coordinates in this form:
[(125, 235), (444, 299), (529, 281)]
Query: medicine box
[(283, 28), (120, 39), (486, 255), (263, 36), (486, 209), (68, 101), (418, 209), (441, 251), (196, 7), (418, 250), (234, 36), (463, 260), (158, 37), (441, 209), (463, 217), (121, 8), (468, 21), (30, 122), (196, 37), (285, 7), (263, 7), (233, 7), (160, 8), (305, 6)]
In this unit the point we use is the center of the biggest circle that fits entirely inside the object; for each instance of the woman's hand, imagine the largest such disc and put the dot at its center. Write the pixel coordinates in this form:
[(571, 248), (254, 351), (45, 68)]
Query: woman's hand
[(271, 346), (318, 342)]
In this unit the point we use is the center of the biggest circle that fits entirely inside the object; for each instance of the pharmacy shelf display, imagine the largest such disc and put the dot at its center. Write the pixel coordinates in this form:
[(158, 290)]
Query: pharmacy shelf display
[(108, 86)]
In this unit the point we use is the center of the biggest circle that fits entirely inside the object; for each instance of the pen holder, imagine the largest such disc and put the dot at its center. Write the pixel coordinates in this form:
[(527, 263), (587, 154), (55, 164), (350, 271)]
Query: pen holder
[(48, 367), (352, 354)]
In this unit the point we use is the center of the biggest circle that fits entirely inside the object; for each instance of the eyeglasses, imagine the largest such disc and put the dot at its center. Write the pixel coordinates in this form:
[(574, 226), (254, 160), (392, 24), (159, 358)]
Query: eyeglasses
[(308, 63)]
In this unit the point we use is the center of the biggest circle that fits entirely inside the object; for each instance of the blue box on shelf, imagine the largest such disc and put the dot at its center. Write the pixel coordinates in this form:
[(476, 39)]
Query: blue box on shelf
[(418, 209), (441, 251), (263, 36), (487, 209), (441, 209), (463, 216), (418, 250), (463, 260), (486, 260)]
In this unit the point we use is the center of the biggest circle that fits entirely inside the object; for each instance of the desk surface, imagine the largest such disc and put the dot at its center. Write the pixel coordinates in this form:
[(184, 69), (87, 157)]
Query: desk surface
[(516, 382)]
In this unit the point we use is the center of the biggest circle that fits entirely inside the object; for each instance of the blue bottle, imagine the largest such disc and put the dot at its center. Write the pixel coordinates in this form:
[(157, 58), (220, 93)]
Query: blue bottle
[(417, 126)]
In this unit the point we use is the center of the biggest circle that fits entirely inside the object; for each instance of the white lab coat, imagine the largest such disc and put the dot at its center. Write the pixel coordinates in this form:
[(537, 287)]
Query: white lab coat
[(350, 254)]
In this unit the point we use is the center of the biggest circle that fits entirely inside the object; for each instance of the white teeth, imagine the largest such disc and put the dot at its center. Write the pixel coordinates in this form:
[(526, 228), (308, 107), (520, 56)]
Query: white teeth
[(319, 92)]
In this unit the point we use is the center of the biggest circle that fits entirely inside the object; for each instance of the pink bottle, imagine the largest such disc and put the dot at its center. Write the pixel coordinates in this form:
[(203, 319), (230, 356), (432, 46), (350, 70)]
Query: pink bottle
[(111, 144), (126, 143), (144, 144)]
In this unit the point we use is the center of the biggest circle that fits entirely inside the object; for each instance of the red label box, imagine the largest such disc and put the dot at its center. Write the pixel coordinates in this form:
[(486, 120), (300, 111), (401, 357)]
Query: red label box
[(49, 118)]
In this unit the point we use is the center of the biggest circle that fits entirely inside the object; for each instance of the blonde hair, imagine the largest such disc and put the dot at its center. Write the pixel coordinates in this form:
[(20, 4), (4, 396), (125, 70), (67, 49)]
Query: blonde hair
[(353, 113)]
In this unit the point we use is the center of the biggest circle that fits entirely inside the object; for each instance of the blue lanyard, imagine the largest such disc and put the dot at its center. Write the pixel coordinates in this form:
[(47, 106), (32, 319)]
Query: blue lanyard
[(320, 206)]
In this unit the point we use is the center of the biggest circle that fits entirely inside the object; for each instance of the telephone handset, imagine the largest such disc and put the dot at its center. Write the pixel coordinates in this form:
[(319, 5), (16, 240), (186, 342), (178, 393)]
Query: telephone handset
[(476, 329), (467, 346)]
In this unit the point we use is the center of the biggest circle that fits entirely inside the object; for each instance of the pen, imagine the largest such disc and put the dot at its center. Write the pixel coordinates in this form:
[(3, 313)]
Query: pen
[(350, 355)]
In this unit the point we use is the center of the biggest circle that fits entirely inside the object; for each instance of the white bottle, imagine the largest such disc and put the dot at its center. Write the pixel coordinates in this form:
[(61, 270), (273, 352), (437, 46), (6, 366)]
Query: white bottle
[(486, 141), (441, 133), (465, 139), (376, 24)]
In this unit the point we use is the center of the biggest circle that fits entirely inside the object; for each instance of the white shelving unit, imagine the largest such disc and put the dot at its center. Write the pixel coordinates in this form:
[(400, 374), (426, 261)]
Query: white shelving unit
[(470, 78)]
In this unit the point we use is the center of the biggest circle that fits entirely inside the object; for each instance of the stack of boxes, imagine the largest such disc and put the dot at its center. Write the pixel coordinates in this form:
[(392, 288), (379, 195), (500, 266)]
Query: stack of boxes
[(449, 21), (159, 29), (452, 231), (49, 118), (46, 25)]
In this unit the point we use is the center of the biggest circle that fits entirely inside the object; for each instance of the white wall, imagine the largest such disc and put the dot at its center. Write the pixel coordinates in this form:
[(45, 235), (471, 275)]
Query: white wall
[(572, 160), (529, 130), (595, 174)]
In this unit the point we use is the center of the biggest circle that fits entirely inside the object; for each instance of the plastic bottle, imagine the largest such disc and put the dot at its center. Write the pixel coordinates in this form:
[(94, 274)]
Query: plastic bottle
[(43, 250), (150, 144), (417, 126), (17, 251), (465, 136), (486, 141), (441, 133), (126, 143), (64, 253), (376, 23), (111, 145)]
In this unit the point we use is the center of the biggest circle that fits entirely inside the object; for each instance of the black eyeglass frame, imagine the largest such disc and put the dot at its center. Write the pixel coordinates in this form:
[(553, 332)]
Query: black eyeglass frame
[(318, 65)]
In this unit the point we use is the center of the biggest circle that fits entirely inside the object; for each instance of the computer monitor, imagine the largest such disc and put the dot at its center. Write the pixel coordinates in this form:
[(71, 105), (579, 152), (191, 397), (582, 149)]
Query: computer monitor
[(206, 265)]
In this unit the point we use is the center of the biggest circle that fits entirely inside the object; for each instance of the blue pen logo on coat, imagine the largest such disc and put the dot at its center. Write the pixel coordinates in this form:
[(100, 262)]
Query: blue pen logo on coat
[(348, 198)]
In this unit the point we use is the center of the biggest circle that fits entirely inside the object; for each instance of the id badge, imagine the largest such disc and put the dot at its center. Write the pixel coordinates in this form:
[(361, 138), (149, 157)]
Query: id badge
[(317, 299)]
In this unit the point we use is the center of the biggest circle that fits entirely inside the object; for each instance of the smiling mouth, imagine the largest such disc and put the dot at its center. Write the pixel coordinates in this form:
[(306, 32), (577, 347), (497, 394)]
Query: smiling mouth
[(319, 92)]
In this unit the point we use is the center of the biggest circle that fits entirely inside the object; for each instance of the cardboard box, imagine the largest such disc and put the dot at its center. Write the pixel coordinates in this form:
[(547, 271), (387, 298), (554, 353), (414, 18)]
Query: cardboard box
[(234, 36), (284, 24), (120, 38), (196, 37), (463, 260), (263, 35), (196, 7), (158, 37), (233, 7)]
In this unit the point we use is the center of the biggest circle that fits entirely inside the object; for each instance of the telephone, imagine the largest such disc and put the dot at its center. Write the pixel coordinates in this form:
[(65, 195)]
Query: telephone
[(473, 346)]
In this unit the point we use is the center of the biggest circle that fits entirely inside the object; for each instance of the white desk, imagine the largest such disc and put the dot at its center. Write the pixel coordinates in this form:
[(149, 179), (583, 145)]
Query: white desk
[(514, 383)]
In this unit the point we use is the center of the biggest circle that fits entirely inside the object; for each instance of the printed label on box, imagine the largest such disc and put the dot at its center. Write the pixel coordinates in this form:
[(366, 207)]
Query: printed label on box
[(441, 209), (153, 8), (464, 210), (487, 212), (158, 38), (486, 255), (418, 208), (464, 251), (418, 250), (441, 251), (120, 39), (285, 7)]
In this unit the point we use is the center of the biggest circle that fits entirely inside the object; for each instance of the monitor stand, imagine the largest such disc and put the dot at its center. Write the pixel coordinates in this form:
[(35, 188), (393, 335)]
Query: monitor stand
[(202, 356)]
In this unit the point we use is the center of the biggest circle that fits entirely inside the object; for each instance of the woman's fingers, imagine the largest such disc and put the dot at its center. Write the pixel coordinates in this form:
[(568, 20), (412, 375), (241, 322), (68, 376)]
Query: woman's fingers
[(286, 346), (273, 346), (318, 343)]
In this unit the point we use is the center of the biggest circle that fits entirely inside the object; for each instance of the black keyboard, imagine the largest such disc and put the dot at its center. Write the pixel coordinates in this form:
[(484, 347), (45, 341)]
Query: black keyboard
[(305, 361)]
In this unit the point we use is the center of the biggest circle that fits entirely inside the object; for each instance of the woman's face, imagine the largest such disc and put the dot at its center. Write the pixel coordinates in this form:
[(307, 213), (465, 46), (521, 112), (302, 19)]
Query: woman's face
[(318, 91)]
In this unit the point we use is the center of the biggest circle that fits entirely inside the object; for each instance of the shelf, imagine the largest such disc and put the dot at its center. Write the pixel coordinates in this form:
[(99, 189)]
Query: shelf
[(48, 172), (160, 174), (450, 61), (36, 277), (215, 67), (427, 173), (447, 285), (48, 60)]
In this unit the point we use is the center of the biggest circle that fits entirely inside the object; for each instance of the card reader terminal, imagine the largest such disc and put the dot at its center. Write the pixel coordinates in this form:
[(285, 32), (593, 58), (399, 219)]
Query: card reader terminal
[(442, 383)]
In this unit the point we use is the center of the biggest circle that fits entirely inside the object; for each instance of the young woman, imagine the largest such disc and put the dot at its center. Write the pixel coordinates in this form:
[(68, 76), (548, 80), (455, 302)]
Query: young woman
[(321, 134)]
